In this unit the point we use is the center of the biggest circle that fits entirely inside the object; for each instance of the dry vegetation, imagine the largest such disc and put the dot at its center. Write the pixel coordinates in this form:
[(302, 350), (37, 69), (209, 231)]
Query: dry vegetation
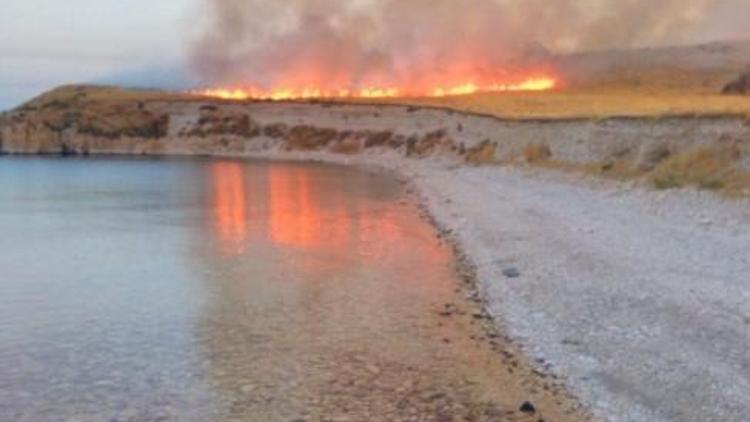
[(94, 95), (706, 168), (652, 94), (597, 104), (711, 168), (107, 112)]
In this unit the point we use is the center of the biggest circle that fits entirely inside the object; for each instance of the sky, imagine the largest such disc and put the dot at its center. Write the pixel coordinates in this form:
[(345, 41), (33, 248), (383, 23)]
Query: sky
[(157, 43), (45, 43)]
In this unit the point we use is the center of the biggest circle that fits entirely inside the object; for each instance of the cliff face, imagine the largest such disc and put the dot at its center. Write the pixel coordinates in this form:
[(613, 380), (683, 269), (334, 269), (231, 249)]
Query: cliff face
[(87, 121)]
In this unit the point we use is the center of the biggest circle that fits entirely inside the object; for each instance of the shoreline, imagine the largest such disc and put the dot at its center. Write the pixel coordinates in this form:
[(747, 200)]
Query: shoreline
[(551, 391), (480, 269), (635, 296), (597, 391), (666, 151)]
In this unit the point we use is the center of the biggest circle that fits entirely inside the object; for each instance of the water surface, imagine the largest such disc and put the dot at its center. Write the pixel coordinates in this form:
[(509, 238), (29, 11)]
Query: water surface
[(226, 290)]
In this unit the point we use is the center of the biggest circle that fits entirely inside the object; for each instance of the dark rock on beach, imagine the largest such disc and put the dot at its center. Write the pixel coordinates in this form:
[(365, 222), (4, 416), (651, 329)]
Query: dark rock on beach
[(511, 272), (527, 407)]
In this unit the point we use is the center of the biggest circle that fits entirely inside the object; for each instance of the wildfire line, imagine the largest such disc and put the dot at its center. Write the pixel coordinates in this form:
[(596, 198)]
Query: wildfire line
[(543, 83)]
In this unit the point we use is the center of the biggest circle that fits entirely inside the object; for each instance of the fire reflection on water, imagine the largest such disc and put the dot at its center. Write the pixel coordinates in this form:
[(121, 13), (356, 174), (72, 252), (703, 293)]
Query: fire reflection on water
[(284, 206), (329, 269), (295, 209), (230, 206), (294, 217)]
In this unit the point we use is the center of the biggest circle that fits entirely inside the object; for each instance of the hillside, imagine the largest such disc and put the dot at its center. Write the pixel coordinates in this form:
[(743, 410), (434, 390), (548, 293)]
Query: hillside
[(706, 149), (646, 82), (652, 82), (652, 114)]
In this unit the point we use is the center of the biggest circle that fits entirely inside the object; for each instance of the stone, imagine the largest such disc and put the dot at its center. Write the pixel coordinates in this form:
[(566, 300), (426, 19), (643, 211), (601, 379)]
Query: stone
[(527, 407), (511, 272), (248, 388)]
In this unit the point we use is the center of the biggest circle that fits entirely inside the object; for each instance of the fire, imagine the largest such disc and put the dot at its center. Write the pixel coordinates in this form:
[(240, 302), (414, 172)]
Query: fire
[(535, 83)]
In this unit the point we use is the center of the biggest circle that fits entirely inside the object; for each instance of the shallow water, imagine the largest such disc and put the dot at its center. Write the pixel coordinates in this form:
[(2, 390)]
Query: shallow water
[(227, 290)]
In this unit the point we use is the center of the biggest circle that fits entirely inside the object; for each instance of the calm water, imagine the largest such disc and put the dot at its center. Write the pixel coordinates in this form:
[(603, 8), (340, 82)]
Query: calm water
[(200, 290)]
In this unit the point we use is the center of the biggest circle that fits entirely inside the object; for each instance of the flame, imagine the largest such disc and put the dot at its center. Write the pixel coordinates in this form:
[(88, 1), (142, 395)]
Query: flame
[(534, 83)]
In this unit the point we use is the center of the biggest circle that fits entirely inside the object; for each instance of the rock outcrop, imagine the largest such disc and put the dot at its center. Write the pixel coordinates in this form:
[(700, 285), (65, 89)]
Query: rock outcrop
[(86, 120)]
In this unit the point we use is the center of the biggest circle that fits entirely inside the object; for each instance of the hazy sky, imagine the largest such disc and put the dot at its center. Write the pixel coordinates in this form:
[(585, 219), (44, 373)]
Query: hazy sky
[(44, 43)]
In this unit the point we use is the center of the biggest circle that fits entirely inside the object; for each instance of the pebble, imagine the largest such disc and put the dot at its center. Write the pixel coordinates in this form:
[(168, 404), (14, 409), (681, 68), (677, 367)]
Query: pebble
[(511, 272), (246, 389), (527, 407)]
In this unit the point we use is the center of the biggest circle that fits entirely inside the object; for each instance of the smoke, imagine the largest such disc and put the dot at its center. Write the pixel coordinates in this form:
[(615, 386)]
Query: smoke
[(358, 43)]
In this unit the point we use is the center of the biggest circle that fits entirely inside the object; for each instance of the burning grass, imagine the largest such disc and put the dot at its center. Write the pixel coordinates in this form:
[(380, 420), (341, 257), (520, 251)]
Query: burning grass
[(528, 84), (573, 103)]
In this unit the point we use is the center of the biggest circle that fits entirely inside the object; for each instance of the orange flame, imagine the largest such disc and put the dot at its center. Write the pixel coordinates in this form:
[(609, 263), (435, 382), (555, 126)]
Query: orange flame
[(534, 83)]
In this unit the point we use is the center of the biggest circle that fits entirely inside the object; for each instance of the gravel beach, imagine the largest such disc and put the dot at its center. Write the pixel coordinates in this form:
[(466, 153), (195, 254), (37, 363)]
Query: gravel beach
[(639, 298)]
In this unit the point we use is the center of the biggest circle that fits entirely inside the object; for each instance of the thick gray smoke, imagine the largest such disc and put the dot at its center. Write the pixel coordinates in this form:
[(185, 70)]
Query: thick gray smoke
[(357, 43)]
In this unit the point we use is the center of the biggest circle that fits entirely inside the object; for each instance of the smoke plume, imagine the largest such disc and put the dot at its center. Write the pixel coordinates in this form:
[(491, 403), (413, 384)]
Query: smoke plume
[(357, 43)]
